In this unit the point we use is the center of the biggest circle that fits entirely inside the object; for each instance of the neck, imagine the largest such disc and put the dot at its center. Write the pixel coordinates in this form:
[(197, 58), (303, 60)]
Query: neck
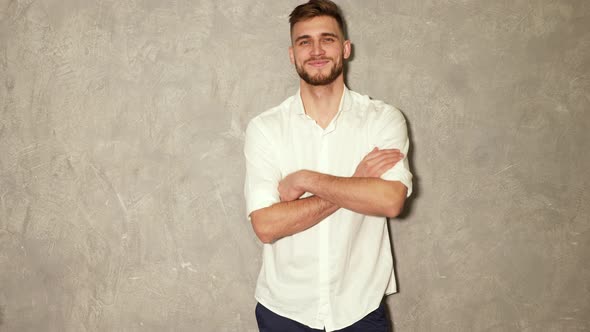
[(321, 103)]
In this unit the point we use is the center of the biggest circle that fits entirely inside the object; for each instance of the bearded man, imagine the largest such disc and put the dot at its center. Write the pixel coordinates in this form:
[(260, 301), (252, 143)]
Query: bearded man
[(324, 171)]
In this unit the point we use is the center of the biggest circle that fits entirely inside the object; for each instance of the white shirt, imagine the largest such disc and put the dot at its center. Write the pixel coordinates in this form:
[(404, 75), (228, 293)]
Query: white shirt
[(336, 272)]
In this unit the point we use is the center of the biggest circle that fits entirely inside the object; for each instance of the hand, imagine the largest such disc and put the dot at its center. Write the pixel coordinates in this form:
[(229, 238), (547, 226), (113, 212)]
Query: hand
[(289, 187), (377, 162)]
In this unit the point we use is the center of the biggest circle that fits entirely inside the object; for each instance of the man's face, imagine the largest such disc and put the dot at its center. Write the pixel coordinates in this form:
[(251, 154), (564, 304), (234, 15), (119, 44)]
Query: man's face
[(318, 50)]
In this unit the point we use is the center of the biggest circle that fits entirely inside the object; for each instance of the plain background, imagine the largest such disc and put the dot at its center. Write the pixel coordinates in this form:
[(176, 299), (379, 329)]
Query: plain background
[(121, 166)]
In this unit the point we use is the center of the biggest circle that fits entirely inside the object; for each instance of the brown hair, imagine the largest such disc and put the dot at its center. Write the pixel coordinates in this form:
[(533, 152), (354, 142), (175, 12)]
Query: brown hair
[(315, 8)]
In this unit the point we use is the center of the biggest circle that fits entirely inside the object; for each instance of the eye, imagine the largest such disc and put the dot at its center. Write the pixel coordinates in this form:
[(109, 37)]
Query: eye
[(329, 40), (304, 42)]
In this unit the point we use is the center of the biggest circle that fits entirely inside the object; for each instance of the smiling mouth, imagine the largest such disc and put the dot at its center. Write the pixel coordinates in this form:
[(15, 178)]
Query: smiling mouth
[(317, 63)]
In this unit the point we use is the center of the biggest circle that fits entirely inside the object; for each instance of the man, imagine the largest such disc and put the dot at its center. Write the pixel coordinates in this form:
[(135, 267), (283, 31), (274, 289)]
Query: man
[(323, 171)]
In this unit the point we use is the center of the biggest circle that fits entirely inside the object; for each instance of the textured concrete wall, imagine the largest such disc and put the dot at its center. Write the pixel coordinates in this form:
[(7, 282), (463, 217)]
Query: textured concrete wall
[(121, 168)]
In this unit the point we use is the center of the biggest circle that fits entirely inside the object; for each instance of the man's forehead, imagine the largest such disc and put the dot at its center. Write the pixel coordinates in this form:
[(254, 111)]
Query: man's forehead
[(316, 26)]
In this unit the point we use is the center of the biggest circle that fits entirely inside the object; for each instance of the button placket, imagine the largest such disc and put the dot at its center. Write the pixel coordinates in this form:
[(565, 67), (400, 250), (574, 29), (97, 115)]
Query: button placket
[(324, 240)]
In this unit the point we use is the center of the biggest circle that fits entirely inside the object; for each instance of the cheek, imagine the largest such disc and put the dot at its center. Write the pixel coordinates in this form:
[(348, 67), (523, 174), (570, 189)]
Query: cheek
[(299, 59), (337, 52)]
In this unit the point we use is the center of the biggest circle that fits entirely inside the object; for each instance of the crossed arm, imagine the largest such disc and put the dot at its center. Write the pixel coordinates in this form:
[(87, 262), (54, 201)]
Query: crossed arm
[(364, 193)]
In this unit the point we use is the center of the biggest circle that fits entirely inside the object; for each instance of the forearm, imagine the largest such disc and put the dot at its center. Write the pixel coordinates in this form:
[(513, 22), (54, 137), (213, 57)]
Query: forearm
[(369, 196), (288, 218)]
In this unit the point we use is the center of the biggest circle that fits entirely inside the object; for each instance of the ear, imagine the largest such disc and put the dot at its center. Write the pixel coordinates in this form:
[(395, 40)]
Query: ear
[(347, 48), (291, 55)]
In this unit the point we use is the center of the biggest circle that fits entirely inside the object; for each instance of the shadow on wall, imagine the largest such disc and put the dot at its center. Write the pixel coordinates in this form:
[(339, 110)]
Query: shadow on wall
[(407, 211), (1, 315), (388, 316)]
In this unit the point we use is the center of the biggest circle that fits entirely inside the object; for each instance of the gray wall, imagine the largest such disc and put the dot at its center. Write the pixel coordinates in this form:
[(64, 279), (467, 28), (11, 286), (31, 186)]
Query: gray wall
[(121, 168)]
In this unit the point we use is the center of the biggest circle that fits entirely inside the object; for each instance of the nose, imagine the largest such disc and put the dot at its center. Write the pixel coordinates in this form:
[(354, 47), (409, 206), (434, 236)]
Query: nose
[(317, 49)]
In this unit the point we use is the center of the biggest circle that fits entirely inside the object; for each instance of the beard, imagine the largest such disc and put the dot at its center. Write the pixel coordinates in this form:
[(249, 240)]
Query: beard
[(320, 79)]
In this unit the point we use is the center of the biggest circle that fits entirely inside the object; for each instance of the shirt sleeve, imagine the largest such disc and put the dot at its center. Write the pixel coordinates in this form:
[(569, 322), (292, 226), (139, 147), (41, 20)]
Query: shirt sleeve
[(391, 133), (262, 170)]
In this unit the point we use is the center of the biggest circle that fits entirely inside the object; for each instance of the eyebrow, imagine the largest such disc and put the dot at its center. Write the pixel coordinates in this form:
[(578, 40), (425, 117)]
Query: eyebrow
[(323, 34)]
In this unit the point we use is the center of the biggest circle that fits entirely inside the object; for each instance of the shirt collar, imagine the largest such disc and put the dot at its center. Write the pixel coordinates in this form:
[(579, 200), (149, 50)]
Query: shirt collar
[(345, 103)]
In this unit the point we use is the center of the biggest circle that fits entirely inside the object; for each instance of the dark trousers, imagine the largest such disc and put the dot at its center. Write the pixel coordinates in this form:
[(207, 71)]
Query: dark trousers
[(268, 321)]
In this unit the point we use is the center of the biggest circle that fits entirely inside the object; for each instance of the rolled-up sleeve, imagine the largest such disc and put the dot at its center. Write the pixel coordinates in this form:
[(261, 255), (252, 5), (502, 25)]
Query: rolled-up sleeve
[(262, 170), (391, 133)]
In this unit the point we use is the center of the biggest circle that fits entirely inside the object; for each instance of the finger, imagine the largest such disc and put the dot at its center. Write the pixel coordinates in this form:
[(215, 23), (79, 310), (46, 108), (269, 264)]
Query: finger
[(380, 171), (377, 159), (388, 160), (385, 152), (370, 154), (389, 151), (386, 164)]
